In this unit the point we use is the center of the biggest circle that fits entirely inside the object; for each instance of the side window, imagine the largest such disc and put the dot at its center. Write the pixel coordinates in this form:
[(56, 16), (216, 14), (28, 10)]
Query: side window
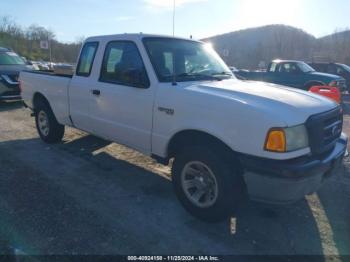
[(284, 68), (86, 59), (331, 69), (169, 63), (322, 68), (288, 68), (122, 64), (293, 68), (340, 71)]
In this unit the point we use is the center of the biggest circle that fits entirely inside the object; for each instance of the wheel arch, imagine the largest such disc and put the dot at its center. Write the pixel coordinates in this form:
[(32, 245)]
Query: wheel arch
[(312, 83), (193, 137), (37, 98)]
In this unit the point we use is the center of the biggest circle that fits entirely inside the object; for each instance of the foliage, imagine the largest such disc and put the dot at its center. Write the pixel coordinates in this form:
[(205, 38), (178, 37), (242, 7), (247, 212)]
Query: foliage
[(26, 42)]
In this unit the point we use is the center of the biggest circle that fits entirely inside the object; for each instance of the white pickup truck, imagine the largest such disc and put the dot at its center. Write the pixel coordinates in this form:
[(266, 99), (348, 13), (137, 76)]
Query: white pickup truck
[(173, 98)]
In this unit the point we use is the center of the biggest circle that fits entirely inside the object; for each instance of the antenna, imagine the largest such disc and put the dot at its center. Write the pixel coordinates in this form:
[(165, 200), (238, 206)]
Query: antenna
[(174, 74), (174, 8)]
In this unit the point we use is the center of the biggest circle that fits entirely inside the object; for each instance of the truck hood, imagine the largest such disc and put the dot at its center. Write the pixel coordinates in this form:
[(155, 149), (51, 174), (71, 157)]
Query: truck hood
[(13, 69), (325, 75), (289, 105)]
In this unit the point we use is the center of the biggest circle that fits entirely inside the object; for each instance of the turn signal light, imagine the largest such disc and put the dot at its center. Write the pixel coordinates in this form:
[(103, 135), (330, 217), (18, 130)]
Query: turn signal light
[(276, 141)]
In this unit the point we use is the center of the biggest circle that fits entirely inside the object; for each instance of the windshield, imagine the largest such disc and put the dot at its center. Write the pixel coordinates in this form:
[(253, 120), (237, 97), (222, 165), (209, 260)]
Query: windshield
[(305, 68), (346, 67), (187, 60), (10, 58)]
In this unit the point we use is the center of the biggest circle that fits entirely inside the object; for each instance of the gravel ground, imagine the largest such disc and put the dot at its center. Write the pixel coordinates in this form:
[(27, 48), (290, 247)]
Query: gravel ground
[(89, 196)]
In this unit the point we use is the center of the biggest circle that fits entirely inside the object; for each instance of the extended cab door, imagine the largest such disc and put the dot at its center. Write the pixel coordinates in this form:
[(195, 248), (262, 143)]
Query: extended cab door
[(122, 109), (80, 88), (271, 73)]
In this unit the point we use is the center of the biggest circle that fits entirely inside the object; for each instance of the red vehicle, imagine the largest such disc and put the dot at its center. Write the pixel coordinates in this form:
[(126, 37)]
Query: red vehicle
[(328, 91)]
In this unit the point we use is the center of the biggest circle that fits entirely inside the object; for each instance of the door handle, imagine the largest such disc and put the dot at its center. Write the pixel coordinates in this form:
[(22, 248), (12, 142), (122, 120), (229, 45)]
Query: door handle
[(96, 92)]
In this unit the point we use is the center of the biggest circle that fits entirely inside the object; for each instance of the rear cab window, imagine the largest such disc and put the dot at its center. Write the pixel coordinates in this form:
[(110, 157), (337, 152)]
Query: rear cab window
[(273, 67), (86, 59)]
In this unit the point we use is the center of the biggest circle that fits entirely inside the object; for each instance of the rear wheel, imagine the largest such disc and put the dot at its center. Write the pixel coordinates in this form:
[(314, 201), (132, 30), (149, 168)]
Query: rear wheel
[(50, 131), (208, 187)]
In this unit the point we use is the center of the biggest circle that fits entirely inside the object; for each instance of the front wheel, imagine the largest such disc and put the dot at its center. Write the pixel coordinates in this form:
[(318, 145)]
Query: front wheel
[(208, 187), (50, 131)]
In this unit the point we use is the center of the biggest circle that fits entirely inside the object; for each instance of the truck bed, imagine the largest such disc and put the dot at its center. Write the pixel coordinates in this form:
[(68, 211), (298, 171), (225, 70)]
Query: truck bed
[(51, 73), (52, 86)]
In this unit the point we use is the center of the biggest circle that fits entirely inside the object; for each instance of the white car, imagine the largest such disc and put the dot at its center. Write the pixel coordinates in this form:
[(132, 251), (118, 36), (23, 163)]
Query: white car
[(175, 98), (42, 66)]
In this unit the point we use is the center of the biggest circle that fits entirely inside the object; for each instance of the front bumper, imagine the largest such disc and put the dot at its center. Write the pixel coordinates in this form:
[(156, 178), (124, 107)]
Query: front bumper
[(10, 97), (9, 90), (287, 181)]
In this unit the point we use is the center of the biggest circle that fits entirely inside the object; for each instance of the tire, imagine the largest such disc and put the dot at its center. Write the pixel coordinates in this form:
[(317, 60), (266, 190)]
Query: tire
[(229, 186), (54, 132)]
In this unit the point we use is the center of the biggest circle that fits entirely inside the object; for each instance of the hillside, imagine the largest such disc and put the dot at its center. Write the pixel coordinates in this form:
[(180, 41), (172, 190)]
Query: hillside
[(244, 49), (26, 42), (247, 48)]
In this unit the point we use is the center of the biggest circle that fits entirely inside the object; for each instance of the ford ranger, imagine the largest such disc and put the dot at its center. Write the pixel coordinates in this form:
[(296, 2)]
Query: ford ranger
[(295, 74), (175, 99)]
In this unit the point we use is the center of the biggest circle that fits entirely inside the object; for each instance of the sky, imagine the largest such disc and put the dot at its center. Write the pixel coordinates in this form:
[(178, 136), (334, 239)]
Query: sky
[(74, 19)]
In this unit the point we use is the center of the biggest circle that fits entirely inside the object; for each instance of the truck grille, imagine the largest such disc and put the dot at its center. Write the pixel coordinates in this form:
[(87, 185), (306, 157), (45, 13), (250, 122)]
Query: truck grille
[(324, 130), (10, 93)]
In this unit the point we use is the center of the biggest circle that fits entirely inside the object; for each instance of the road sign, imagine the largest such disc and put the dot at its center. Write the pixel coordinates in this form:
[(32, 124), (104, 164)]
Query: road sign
[(44, 44)]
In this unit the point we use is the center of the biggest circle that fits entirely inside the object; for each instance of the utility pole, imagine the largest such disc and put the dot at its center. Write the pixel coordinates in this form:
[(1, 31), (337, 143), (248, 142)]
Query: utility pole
[(49, 40)]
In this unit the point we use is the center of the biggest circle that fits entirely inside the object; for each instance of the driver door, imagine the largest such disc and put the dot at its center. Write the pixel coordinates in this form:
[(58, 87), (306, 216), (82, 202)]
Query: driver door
[(289, 74), (123, 104)]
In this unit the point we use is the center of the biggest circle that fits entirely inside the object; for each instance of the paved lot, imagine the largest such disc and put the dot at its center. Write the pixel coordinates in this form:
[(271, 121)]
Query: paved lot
[(88, 196)]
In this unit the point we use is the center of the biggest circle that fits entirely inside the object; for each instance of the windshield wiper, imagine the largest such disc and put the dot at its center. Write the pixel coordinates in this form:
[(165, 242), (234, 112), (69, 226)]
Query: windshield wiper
[(222, 74), (210, 77)]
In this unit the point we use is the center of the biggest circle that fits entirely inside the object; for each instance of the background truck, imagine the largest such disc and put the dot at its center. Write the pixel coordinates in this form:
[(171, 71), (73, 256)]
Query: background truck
[(294, 74), (338, 69), (173, 98)]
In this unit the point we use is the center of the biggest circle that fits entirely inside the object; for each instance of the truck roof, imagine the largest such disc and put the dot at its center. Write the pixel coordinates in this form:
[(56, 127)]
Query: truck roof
[(286, 61), (133, 36)]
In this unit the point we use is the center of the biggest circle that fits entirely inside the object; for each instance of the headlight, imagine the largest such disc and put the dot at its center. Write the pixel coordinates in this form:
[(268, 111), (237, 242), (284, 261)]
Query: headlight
[(296, 137), (286, 139)]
